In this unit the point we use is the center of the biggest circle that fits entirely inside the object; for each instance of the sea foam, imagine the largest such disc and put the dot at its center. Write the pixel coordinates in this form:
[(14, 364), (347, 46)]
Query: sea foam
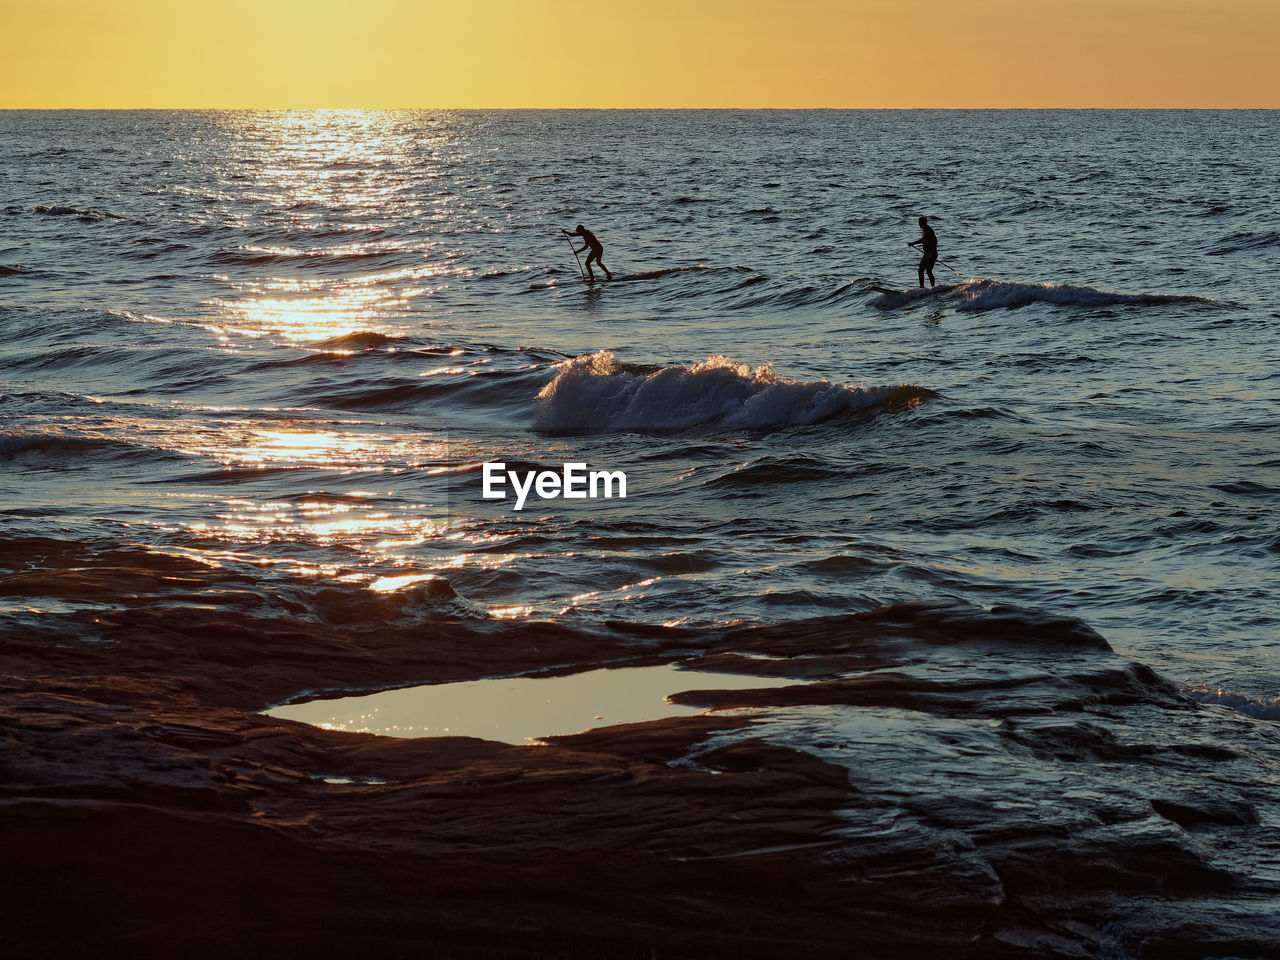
[(597, 393)]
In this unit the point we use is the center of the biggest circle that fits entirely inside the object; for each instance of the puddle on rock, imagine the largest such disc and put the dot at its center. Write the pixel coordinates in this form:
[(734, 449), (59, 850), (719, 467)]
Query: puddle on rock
[(520, 709)]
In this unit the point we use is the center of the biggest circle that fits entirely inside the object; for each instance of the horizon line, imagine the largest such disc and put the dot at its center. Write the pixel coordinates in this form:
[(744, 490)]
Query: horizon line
[(352, 109)]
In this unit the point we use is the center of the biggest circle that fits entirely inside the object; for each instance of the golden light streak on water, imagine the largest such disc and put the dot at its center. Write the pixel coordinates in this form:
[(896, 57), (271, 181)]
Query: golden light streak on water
[(336, 314), (331, 449), (392, 584)]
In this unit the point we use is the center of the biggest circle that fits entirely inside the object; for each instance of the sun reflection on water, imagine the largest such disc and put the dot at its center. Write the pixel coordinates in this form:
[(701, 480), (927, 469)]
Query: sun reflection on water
[(338, 311), (341, 228), (347, 451), (375, 529), (358, 183)]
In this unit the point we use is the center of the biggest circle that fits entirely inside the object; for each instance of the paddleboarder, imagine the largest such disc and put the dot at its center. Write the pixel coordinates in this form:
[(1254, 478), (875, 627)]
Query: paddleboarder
[(596, 248), (928, 244)]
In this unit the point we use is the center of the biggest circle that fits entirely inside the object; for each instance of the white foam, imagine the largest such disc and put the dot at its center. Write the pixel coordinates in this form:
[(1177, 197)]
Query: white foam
[(597, 393)]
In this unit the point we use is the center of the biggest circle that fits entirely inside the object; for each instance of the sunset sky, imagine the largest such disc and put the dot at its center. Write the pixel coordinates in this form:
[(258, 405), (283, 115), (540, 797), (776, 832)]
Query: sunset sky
[(661, 53)]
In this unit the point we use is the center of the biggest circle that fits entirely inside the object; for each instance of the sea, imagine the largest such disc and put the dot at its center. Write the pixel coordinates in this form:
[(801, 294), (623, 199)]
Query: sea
[(281, 346)]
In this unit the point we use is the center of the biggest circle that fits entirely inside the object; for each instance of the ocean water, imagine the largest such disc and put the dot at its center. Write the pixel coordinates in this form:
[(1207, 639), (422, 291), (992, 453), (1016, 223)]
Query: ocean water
[(257, 360)]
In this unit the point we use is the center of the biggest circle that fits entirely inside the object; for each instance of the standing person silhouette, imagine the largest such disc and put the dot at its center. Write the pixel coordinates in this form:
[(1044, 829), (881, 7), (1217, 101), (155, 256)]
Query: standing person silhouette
[(596, 248), (928, 244)]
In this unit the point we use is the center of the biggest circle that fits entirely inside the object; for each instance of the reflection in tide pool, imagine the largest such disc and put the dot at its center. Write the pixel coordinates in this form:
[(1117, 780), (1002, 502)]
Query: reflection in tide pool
[(519, 709)]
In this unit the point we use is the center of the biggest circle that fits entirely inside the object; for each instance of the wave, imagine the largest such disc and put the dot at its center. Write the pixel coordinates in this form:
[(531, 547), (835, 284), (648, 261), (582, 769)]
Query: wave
[(1256, 708), (653, 274), (60, 445), (995, 294), (779, 470), (486, 387), (174, 367), (805, 295), (252, 256), (8, 268), (1248, 488), (387, 394), (15, 401), (369, 347), (986, 294), (596, 393), (87, 214), (570, 278), (366, 340), (1246, 241)]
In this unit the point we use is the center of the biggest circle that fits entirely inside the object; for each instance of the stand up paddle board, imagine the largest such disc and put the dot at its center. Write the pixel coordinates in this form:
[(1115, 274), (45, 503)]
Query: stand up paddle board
[(915, 291)]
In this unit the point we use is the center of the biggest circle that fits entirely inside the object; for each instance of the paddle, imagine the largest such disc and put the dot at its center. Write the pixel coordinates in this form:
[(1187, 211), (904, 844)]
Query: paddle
[(944, 264), (569, 237)]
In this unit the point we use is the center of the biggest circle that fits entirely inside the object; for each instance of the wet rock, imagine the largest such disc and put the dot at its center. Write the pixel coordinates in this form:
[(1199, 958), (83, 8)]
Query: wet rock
[(1199, 811), (940, 781)]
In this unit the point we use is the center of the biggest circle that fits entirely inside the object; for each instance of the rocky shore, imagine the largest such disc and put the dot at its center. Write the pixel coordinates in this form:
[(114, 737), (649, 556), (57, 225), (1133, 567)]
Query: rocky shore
[(951, 782)]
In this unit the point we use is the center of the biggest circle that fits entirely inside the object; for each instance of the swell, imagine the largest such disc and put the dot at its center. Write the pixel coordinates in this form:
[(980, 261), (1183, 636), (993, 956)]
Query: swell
[(120, 369), (19, 446), (794, 297), (655, 274), (366, 340), (485, 387), (1246, 242), (780, 470), (88, 214), (986, 294), (1258, 708), (372, 344), (449, 360), (250, 256), (689, 273)]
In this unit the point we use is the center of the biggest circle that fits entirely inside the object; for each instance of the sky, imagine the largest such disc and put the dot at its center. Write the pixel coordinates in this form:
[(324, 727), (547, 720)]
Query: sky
[(657, 53)]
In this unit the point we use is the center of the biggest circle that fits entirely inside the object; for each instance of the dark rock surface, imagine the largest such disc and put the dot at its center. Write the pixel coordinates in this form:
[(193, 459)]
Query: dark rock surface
[(951, 782)]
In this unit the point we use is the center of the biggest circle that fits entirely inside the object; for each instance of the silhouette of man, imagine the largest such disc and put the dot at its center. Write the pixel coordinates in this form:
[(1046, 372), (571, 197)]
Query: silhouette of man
[(928, 244), (596, 248)]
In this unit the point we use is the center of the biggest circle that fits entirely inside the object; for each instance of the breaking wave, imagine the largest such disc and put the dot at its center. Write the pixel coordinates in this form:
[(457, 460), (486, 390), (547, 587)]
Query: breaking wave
[(596, 393)]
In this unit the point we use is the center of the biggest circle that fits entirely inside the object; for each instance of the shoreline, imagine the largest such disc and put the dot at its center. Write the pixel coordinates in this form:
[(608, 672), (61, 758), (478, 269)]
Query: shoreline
[(149, 806)]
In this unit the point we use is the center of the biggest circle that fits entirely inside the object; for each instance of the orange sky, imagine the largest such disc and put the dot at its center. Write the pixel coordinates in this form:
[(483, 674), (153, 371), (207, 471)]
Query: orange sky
[(661, 53)]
